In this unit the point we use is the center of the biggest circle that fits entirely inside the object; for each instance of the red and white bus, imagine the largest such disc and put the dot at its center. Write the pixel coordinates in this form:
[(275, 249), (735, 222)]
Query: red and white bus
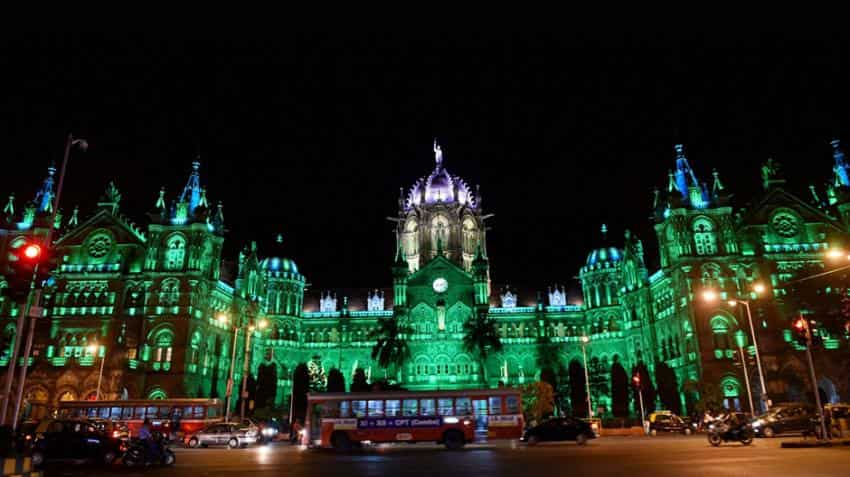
[(190, 414), (452, 418)]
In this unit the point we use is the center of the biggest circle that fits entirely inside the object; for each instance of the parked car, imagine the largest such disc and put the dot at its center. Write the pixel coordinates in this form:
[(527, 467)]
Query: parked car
[(266, 430), (559, 429), (231, 434), (112, 428), (73, 440), (666, 421), (839, 419), (783, 419)]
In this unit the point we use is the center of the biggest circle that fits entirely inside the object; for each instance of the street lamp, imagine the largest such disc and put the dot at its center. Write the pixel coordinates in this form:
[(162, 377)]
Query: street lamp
[(584, 341), (93, 348), (34, 298), (758, 288), (261, 325), (223, 319), (636, 382)]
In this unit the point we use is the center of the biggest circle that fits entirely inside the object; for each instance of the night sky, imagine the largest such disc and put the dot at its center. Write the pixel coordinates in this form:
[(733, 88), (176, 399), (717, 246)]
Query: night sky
[(312, 136)]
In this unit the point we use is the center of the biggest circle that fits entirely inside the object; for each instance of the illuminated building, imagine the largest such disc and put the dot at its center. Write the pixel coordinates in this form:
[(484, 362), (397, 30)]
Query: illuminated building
[(151, 297)]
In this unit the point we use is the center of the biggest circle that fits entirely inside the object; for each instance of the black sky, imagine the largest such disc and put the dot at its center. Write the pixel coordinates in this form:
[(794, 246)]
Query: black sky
[(312, 136)]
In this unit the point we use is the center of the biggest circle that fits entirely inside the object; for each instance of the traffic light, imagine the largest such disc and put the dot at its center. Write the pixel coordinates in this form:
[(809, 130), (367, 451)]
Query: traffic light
[(801, 331), (636, 380), (28, 262)]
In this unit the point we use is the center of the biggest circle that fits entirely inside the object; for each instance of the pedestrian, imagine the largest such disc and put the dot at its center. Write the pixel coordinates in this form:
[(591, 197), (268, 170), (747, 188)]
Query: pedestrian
[(295, 431)]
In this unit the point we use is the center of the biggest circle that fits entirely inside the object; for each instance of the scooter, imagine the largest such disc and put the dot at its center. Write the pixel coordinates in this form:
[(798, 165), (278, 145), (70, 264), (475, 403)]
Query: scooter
[(137, 453), (720, 432)]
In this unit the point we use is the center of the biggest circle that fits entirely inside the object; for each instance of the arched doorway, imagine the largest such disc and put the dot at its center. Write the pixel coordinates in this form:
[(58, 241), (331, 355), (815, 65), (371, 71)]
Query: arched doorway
[(731, 390), (828, 393)]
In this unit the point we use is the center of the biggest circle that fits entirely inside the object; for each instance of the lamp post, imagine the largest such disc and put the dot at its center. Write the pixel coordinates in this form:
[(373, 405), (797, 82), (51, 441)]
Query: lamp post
[(711, 296), (584, 341), (261, 324), (636, 381), (34, 298), (746, 378), (93, 350), (223, 318)]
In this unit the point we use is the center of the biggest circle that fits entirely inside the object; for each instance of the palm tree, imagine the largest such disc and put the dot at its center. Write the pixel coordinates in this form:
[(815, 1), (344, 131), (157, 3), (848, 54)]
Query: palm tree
[(480, 338), (391, 348)]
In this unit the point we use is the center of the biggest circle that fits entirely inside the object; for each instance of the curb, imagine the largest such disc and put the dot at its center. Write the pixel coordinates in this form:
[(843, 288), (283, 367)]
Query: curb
[(813, 444)]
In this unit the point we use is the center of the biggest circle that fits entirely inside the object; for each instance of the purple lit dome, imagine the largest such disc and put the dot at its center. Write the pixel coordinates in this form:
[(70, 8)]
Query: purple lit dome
[(440, 187)]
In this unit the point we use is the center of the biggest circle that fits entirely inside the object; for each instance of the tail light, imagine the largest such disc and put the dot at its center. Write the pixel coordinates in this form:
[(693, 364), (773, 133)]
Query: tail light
[(115, 434)]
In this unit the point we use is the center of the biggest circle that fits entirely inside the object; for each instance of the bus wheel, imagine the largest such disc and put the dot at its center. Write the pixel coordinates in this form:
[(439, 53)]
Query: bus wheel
[(340, 441), (193, 442), (453, 440)]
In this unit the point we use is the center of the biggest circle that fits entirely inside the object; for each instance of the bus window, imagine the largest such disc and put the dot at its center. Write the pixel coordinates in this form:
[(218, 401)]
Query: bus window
[(91, 412), (212, 411), (103, 413), (329, 409), (358, 408), (164, 412), (427, 407), (463, 406), (150, 412), (139, 413), (115, 413), (376, 408), (495, 405), (344, 409), (393, 407), (445, 407), (512, 405), (410, 407), (127, 413)]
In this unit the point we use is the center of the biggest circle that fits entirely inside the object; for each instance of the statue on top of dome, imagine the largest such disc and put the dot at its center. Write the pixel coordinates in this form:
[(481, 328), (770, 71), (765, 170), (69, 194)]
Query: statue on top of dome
[(438, 154)]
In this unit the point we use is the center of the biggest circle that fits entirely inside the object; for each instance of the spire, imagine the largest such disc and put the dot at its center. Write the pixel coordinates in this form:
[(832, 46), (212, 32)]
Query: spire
[(840, 167), (604, 231), (814, 194), (44, 196), (111, 198), (192, 192), (671, 183), (718, 186), (279, 239), (160, 201), (75, 217), (438, 154), (684, 172), (218, 219), (203, 201), (10, 205)]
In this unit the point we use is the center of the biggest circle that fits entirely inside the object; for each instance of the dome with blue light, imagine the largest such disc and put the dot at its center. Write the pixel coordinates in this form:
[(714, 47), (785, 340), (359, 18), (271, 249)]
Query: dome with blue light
[(605, 254), (279, 264), (440, 187)]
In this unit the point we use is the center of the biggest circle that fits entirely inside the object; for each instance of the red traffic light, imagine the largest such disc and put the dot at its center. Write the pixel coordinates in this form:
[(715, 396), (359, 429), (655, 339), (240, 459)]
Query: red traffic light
[(636, 379), (32, 251), (800, 324)]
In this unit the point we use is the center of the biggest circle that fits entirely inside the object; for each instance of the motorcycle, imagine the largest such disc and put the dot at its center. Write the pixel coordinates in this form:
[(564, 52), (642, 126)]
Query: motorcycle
[(719, 433), (138, 453)]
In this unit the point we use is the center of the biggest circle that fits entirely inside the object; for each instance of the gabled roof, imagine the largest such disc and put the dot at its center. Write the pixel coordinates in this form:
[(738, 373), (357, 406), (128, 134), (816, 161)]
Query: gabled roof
[(758, 213), (103, 218)]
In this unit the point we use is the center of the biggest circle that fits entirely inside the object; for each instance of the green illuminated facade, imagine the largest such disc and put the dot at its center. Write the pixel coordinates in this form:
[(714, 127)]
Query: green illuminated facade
[(149, 298)]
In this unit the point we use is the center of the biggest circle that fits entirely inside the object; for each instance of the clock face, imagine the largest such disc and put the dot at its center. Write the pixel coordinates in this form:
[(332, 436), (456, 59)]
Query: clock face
[(440, 285)]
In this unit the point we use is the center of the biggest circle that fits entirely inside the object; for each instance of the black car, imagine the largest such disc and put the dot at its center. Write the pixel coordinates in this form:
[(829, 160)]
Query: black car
[(668, 422), (72, 440), (559, 429), (783, 419)]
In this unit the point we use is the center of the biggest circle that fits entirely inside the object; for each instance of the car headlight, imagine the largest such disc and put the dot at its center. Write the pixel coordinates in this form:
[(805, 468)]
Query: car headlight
[(758, 423)]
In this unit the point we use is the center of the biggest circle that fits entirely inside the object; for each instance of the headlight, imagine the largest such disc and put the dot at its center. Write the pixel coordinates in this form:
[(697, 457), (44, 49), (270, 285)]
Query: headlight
[(268, 431), (451, 420), (758, 423)]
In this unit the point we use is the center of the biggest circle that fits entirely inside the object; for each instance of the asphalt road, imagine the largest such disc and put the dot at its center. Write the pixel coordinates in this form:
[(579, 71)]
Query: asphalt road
[(655, 456)]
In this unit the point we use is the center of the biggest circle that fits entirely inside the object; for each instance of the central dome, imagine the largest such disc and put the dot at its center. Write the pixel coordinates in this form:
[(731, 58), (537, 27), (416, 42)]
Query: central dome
[(439, 187)]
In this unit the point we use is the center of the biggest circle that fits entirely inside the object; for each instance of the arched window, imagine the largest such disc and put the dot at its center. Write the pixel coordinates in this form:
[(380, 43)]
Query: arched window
[(721, 328), (705, 240), (157, 394), (195, 348), (175, 252), (439, 233), (161, 342), (169, 292)]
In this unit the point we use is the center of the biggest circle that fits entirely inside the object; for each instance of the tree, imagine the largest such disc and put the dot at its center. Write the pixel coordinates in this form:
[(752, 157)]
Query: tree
[(318, 380), (336, 381), (359, 383), (600, 384), (538, 401), (710, 397), (668, 388), (619, 390), (300, 387), (266, 393), (480, 338), (578, 389), (391, 349), (646, 388)]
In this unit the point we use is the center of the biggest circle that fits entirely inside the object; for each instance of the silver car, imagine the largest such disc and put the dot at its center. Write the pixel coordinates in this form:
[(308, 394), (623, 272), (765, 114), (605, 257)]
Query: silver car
[(228, 434)]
